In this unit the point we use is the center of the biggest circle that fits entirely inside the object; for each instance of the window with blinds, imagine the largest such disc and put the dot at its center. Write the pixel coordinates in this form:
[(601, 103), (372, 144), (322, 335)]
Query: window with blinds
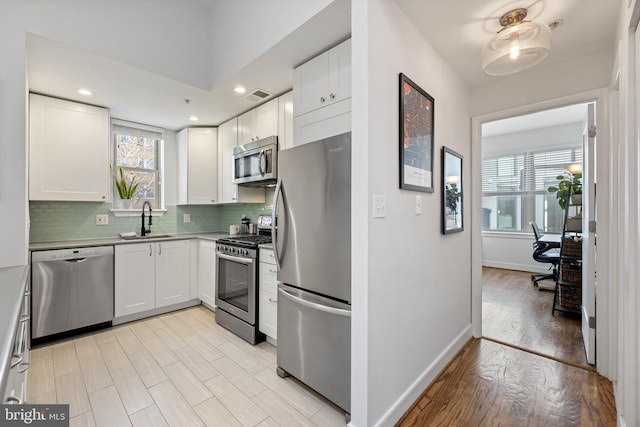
[(137, 150), (514, 189)]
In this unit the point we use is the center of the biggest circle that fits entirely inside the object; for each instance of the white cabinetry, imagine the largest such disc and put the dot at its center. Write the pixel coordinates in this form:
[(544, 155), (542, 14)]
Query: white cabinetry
[(285, 121), (268, 301), (322, 95), (207, 273), (228, 192), (324, 80), (68, 151), (135, 279), (151, 275), (197, 166), (258, 123), (172, 272)]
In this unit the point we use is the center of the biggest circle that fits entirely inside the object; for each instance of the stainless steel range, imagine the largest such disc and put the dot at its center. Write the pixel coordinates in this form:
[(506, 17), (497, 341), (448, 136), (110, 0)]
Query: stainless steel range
[(237, 282)]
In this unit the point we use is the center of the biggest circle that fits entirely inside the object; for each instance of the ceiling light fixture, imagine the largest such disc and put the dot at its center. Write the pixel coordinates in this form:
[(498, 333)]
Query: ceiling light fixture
[(85, 92), (239, 90), (518, 45), (193, 118)]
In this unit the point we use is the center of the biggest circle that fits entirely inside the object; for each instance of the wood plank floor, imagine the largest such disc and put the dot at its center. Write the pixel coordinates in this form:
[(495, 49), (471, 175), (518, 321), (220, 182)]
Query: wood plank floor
[(517, 313), (178, 369), (491, 384)]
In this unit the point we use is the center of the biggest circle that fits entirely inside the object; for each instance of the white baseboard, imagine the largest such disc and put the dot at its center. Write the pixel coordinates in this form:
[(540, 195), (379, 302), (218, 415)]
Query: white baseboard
[(514, 266), (408, 398)]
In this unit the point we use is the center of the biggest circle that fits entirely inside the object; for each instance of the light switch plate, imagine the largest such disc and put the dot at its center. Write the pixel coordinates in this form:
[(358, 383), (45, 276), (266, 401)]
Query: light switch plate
[(102, 219), (418, 205), (186, 218)]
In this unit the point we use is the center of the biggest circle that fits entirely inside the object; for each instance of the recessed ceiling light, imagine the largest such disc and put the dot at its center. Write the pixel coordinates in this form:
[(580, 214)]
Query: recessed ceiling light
[(239, 90), (85, 92), (193, 118)]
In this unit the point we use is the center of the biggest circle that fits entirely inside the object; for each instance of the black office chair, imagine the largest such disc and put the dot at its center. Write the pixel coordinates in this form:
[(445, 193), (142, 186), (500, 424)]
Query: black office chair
[(545, 252)]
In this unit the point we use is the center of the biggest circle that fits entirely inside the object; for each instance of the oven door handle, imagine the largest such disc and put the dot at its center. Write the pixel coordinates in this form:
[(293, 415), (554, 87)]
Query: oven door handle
[(235, 258)]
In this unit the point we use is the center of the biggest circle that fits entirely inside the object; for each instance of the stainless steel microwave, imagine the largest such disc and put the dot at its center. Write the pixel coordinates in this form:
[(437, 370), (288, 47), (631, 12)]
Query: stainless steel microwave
[(256, 163)]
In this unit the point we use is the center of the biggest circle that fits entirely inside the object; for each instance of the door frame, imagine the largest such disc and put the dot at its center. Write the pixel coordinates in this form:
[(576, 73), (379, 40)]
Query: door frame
[(603, 207)]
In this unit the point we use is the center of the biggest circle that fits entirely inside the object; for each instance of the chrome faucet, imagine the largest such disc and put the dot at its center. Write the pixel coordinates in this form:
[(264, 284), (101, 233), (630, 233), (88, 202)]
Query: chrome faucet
[(143, 230)]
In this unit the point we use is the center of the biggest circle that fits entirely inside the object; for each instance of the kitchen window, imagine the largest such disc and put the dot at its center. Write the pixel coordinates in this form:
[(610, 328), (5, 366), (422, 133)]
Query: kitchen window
[(514, 189), (138, 151)]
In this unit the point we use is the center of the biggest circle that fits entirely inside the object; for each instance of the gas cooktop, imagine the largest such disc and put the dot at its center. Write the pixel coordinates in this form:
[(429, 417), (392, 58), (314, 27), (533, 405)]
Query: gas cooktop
[(246, 240)]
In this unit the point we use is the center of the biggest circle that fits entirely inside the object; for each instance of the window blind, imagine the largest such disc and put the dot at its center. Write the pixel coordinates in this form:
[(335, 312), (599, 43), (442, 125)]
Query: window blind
[(526, 171)]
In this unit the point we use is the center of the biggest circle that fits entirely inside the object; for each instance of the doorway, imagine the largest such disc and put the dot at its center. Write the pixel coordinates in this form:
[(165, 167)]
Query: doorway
[(522, 156)]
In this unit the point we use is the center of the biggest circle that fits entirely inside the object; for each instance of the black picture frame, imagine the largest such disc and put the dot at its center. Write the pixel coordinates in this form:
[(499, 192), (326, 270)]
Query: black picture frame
[(452, 192), (416, 137)]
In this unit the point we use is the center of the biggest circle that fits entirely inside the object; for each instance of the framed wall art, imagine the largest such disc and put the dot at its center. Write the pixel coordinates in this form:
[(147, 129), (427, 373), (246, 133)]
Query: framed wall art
[(452, 192), (416, 137)]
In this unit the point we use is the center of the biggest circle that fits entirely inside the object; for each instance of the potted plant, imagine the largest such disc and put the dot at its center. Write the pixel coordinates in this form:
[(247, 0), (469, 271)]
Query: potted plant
[(125, 191), (562, 188)]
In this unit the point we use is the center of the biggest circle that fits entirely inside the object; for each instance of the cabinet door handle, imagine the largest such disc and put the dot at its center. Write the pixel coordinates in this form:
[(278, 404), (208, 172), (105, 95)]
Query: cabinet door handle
[(14, 399), (273, 300), (159, 248), (104, 197), (332, 96), (150, 250), (322, 99), (273, 271)]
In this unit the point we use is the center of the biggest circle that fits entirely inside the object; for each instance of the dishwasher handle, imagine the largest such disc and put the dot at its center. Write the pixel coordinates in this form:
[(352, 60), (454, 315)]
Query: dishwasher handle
[(76, 260)]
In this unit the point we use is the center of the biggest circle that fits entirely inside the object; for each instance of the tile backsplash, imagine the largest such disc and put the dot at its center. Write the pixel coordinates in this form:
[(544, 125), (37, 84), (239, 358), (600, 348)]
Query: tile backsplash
[(60, 221)]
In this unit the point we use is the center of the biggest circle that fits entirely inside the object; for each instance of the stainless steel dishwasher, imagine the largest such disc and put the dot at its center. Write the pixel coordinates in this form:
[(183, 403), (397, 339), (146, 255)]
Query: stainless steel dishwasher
[(71, 289)]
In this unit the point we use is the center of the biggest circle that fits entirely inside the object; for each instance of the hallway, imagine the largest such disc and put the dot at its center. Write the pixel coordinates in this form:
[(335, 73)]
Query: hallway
[(493, 384)]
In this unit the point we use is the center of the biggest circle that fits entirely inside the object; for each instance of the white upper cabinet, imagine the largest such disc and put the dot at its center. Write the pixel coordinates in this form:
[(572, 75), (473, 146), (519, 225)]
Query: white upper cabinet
[(228, 192), (323, 81), (68, 151), (285, 121), (258, 123), (198, 166)]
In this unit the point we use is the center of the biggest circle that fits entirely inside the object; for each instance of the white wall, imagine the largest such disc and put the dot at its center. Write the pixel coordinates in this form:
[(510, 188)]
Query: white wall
[(510, 251), (626, 219), (543, 82), (414, 305)]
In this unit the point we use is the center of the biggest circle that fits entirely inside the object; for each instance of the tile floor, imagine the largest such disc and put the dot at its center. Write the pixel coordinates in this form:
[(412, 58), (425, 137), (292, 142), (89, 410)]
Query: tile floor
[(177, 369)]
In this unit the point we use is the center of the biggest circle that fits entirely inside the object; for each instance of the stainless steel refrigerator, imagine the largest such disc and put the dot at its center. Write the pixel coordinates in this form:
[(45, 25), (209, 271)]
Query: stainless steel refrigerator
[(312, 244)]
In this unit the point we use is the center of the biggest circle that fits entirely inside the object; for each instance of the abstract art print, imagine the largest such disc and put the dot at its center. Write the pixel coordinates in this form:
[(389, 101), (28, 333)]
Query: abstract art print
[(416, 137)]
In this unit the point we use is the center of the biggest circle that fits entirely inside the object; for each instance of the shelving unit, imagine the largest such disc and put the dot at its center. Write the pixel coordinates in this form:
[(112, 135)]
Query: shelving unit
[(568, 289)]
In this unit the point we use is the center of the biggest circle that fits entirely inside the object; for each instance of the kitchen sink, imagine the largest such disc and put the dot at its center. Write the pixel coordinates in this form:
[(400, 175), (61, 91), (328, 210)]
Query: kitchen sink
[(148, 236)]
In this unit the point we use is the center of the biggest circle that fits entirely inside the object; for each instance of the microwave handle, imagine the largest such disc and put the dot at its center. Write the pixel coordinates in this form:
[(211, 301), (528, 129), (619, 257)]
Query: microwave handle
[(261, 157)]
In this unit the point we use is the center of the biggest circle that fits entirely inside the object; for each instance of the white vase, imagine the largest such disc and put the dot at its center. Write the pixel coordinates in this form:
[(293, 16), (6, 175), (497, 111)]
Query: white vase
[(126, 203)]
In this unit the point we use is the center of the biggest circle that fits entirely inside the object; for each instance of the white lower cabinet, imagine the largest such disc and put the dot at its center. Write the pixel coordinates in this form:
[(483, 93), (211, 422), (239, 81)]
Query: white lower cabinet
[(151, 275), (207, 272), (172, 272), (268, 300)]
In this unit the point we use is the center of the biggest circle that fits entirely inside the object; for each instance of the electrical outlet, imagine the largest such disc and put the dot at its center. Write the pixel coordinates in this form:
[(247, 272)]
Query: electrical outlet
[(379, 206), (418, 205), (102, 219), (186, 218)]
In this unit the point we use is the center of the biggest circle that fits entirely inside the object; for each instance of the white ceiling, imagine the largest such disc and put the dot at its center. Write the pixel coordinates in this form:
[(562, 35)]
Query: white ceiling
[(548, 118), (155, 98), (456, 28)]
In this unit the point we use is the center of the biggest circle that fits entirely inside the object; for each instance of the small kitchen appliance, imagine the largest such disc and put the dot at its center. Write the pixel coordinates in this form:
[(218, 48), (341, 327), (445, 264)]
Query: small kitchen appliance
[(255, 164)]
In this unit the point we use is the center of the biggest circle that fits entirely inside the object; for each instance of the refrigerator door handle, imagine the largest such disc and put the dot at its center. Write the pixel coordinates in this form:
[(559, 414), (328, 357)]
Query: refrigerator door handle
[(274, 213), (315, 305)]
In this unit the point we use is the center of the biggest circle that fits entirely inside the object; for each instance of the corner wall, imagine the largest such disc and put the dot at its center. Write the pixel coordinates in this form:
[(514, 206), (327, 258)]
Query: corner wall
[(416, 298)]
